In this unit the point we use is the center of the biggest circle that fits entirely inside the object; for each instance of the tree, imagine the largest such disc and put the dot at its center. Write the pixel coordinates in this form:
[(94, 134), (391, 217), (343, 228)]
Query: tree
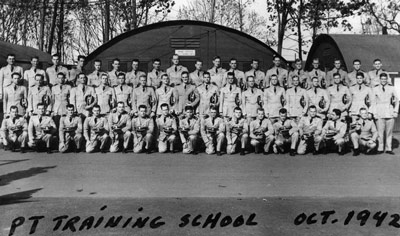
[(385, 14)]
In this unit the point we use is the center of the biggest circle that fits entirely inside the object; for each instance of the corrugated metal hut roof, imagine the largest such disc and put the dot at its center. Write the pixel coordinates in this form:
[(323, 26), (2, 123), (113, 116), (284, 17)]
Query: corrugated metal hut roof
[(23, 54)]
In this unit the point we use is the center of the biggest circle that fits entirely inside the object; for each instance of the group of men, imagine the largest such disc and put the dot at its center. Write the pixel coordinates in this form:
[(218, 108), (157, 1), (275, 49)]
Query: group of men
[(228, 110)]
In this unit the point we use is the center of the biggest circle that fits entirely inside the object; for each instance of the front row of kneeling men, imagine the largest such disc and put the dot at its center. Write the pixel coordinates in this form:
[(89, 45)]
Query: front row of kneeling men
[(116, 132)]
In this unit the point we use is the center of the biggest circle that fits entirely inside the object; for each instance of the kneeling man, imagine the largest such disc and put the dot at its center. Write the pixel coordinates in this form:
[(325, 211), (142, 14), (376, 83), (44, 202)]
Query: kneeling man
[(365, 135), (41, 129), (120, 128), (237, 130), (286, 133), (70, 131), (189, 129), (96, 131), (142, 131), (14, 130)]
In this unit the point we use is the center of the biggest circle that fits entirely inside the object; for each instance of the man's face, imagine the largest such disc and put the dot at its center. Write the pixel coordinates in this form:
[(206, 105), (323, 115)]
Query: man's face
[(97, 65), (337, 64), (378, 65), (96, 111), (70, 111), (40, 110), (217, 62), (207, 79), (82, 79), (277, 61), (315, 82), (274, 80), (213, 113), (230, 79), (120, 107), (55, 60), (356, 65), (104, 80), (189, 113), (13, 113), (157, 65), (295, 81), (11, 60), (165, 80), (315, 64), (360, 79), (39, 80), (254, 65), (142, 112), (199, 65), (364, 114), (165, 110), (233, 64), (81, 61), (34, 62), (15, 79), (298, 65), (143, 81), (185, 78), (121, 79), (116, 65), (312, 112), (384, 80), (334, 116), (175, 60), (260, 115), (283, 116), (250, 82), (61, 79), (238, 114), (336, 79), (135, 65)]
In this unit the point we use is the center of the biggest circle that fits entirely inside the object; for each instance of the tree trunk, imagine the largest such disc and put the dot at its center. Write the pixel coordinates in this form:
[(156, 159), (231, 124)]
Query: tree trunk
[(240, 15), (212, 11), (134, 16), (42, 23), (53, 27), (60, 29), (107, 21), (299, 35)]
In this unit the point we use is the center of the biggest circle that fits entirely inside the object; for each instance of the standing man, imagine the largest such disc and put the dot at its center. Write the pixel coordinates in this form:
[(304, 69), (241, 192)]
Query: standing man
[(304, 79), (61, 94), (70, 131), (310, 130), (212, 131), (286, 133), (258, 75), (123, 92), (318, 97), (385, 107), (374, 75), (96, 131), (120, 128), (29, 75), (166, 94), (187, 94), (206, 91), (361, 96), (94, 78), (74, 72), (40, 93), (251, 99), (365, 134), (217, 72), (144, 96), (189, 129), (274, 99), (154, 76), (319, 74), (105, 96), (83, 97), (55, 69), (14, 131), (175, 71), (296, 100), (15, 95), (278, 71), (142, 131), (357, 69), (238, 74), (196, 77), (7, 71), (237, 131), (167, 128), (230, 97), (41, 129), (337, 69), (132, 77), (334, 132), (261, 132), (113, 74), (339, 96)]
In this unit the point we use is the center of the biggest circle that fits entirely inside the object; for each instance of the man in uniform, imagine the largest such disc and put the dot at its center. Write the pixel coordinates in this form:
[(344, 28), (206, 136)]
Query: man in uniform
[(189, 129), (374, 75), (113, 74), (94, 78), (175, 71), (365, 134), (385, 107), (361, 96), (238, 74), (7, 71), (230, 96), (132, 77), (357, 69), (304, 79), (258, 75), (296, 100), (95, 131), (310, 130), (120, 125), (167, 128), (278, 71), (274, 97), (187, 94), (74, 72), (80, 97), (154, 76), (15, 95), (251, 99), (41, 129), (55, 69), (144, 95), (105, 96), (206, 91), (29, 75), (318, 97), (286, 132), (261, 132), (334, 131), (237, 131), (339, 96), (123, 92), (166, 94), (38, 94), (212, 131), (337, 69), (316, 72), (61, 94), (217, 72), (14, 130), (70, 131), (142, 131), (196, 77)]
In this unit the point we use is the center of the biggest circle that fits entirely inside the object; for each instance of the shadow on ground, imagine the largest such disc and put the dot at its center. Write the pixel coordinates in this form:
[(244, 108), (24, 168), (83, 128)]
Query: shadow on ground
[(8, 162), (19, 197), (22, 174)]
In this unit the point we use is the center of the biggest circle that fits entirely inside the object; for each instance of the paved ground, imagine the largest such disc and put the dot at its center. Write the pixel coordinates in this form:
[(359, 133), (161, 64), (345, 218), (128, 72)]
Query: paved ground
[(276, 188)]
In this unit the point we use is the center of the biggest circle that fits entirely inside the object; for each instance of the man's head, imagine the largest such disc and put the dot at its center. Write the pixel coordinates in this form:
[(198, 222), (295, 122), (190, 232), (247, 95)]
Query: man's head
[(357, 64), (213, 111), (295, 80), (274, 80), (336, 78), (312, 111), (165, 79), (283, 113), (39, 79), (206, 77), (15, 77), (315, 82), (96, 110), (363, 113), (121, 78), (233, 63), (55, 58), (70, 109), (360, 78), (237, 112), (185, 77), (35, 61), (97, 65), (13, 111), (40, 109), (260, 113), (335, 115), (61, 77), (142, 111), (231, 77), (82, 79), (116, 64), (189, 111), (198, 65), (156, 64), (175, 59), (11, 59), (315, 63), (217, 61), (81, 60), (135, 64), (377, 64), (276, 61), (384, 78), (143, 80), (164, 109), (120, 107), (104, 79), (298, 64), (250, 81), (337, 63), (255, 64)]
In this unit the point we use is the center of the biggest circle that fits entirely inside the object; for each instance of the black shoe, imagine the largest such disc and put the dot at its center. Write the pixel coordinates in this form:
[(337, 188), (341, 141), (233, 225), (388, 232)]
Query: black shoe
[(195, 153), (390, 152), (148, 151), (315, 152), (125, 150), (103, 151), (23, 150), (356, 152), (48, 151), (219, 153), (341, 153), (265, 153), (242, 153), (77, 150), (292, 152), (379, 152)]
